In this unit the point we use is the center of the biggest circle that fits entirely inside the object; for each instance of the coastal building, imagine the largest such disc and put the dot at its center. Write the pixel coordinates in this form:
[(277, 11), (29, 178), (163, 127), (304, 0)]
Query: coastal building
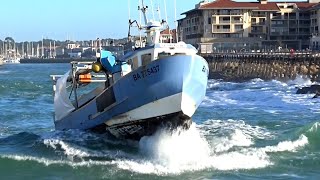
[(168, 35), (72, 45), (226, 25)]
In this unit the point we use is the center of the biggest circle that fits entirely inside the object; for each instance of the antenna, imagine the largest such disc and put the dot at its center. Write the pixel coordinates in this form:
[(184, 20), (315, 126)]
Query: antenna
[(129, 13), (144, 10), (165, 10), (159, 13), (140, 38), (152, 9)]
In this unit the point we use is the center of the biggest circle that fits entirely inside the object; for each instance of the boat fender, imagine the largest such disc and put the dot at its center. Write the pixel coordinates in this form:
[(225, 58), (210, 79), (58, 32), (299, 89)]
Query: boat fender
[(96, 67)]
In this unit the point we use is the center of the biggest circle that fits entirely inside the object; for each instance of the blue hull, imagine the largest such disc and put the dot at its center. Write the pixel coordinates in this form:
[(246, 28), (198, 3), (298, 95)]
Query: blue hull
[(180, 76)]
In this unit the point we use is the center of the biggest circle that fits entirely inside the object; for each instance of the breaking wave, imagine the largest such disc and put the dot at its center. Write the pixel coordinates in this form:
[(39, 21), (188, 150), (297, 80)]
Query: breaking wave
[(215, 145)]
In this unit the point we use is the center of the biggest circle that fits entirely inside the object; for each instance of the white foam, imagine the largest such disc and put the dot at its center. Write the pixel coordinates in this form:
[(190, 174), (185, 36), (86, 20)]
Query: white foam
[(301, 81), (314, 128), (219, 145), (238, 138), (229, 126), (48, 162), (272, 111), (291, 146), (67, 149), (189, 151), (177, 149)]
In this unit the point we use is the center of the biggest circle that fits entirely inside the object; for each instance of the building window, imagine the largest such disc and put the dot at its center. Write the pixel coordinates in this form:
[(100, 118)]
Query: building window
[(238, 27), (209, 20)]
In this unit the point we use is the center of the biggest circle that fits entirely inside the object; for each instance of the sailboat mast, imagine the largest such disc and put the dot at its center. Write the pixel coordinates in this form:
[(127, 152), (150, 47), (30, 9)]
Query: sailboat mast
[(22, 48), (38, 50), (54, 49), (32, 50), (42, 50), (175, 19), (50, 54), (165, 10), (27, 49)]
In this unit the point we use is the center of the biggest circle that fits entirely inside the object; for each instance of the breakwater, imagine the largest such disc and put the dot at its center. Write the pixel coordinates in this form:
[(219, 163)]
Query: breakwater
[(241, 67)]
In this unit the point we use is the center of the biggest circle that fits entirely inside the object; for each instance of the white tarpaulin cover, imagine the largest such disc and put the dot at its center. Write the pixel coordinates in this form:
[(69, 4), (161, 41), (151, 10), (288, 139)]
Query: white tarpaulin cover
[(62, 104)]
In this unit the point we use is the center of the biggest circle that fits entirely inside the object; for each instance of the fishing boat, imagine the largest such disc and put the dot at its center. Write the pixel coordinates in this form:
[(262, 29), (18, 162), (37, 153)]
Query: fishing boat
[(153, 86)]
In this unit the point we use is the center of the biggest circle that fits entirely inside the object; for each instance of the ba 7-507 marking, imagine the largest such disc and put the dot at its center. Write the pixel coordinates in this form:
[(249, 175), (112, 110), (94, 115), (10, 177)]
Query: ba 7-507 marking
[(146, 72)]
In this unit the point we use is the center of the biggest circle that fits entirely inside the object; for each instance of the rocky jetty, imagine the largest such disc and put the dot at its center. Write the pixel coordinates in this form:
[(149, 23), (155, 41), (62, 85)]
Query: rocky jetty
[(243, 67), (313, 89)]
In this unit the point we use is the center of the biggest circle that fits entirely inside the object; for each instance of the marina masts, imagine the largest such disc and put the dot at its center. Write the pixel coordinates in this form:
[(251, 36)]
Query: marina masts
[(42, 50)]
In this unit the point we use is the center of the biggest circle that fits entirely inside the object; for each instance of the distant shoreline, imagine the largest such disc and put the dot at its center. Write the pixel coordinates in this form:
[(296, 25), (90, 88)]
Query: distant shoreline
[(52, 60)]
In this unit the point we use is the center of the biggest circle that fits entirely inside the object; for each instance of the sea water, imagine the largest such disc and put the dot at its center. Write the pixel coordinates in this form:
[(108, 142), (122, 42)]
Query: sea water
[(252, 130)]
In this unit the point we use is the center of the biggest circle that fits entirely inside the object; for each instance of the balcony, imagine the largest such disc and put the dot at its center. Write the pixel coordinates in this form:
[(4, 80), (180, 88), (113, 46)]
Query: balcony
[(258, 15), (304, 17), (224, 22), (221, 31), (237, 21), (237, 30), (235, 14), (276, 18), (304, 25), (258, 23), (224, 13), (257, 32), (279, 33), (313, 16)]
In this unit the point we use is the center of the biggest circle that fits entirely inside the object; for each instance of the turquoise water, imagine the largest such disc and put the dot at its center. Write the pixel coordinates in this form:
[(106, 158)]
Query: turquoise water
[(253, 130)]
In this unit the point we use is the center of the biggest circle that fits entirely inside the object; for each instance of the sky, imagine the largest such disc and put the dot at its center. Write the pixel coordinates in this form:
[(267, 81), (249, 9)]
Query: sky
[(30, 20)]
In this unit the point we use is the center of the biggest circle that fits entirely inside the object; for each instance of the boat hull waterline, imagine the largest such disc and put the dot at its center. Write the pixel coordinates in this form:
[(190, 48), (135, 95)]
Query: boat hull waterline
[(164, 92)]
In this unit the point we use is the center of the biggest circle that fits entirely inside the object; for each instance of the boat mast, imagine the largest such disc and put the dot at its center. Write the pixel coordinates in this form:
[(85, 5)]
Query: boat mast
[(42, 50), (32, 50), (50, 54), (54, 49), (38, 54), (27, 49), (165, 11), (175, 20), (22, 48), (14, 50), (144, 11)]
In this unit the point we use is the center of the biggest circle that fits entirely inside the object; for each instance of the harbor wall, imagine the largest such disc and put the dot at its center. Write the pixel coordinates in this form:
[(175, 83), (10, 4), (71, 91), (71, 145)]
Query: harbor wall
[(283, 67)]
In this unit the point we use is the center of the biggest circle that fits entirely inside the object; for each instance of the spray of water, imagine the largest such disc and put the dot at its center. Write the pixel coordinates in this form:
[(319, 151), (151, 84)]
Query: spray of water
[(214, 145), (175, 150)]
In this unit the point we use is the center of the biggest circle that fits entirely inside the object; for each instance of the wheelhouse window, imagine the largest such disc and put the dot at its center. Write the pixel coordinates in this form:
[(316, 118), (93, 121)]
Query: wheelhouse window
[(135, 63), (146, 59), (163, 55)]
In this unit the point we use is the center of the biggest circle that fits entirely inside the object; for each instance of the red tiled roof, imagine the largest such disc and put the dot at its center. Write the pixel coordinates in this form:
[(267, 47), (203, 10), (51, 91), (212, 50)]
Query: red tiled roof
[(227, 4), (236, 5), (305, 5), (253, 5), (269, 6), (168, 31)]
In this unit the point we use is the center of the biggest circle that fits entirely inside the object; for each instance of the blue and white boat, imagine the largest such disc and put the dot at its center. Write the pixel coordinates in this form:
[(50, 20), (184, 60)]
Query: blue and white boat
[(159, 85)]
